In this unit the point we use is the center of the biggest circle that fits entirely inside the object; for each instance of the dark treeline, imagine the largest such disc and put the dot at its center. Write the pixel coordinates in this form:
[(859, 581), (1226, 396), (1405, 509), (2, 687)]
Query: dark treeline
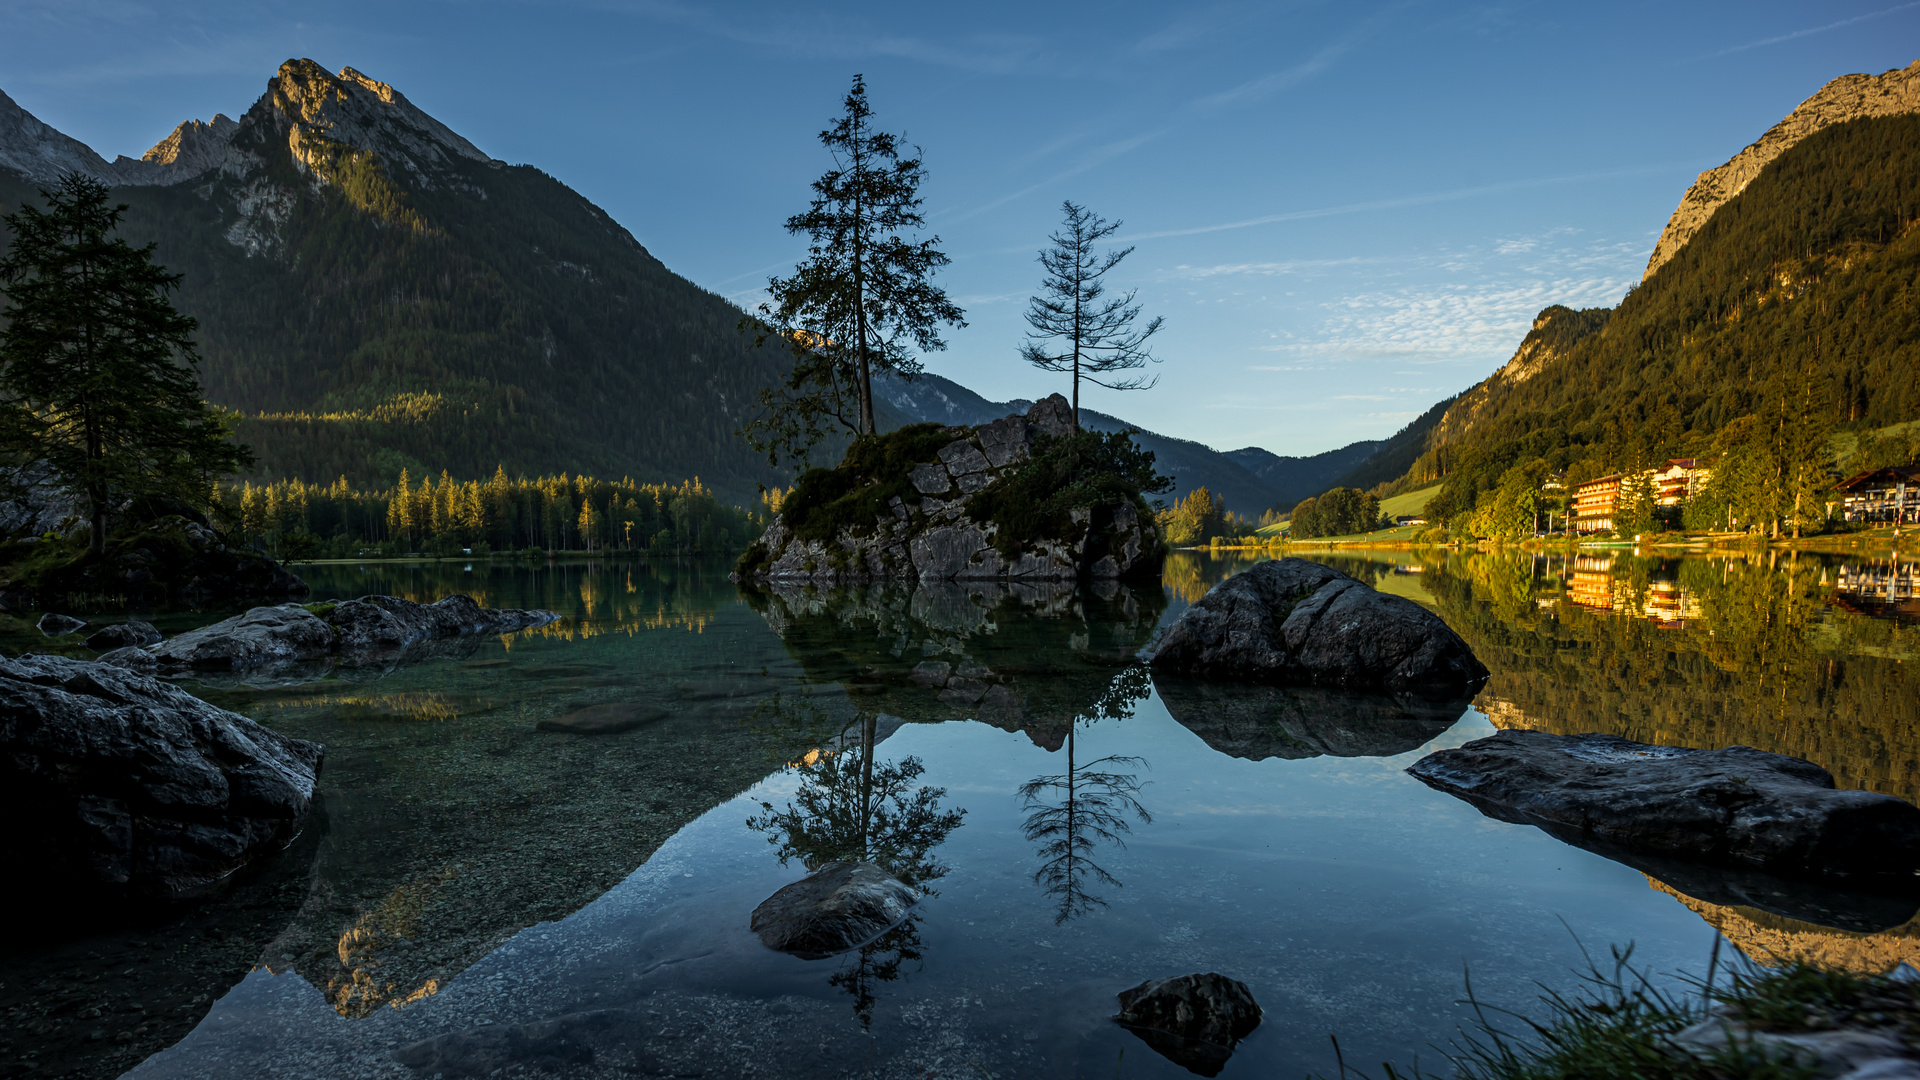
[(1794, 311), (294, 519)]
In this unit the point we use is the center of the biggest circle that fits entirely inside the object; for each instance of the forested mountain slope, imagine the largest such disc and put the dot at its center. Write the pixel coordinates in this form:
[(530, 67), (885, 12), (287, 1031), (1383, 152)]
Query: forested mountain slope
[(1799, 299), (376, 293)]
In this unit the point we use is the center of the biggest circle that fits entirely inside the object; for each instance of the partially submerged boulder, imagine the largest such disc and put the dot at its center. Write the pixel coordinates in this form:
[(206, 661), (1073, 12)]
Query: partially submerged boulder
[(293, 633), (841, 906), (1294, 622), (905, 509), (121, 635), (1192, 1020), (116, 783), (54, 624), (1736, 806)]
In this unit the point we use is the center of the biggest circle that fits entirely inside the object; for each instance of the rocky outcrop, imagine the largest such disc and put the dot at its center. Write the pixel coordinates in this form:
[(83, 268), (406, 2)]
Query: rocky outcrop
[(841, 906), (1192, 1020), (267, 637), (1294, 622), (113, 782), (173, 559), (1736, 806), (1849, 97), (1870, 1038), (928, 534), (1257, 722)]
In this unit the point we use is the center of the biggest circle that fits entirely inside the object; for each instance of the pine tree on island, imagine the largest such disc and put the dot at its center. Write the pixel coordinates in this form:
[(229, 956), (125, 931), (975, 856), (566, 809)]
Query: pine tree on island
[(862, 300)]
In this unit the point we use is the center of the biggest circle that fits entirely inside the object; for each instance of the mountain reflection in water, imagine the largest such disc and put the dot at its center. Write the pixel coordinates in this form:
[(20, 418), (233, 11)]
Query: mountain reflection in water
[(473, 874)]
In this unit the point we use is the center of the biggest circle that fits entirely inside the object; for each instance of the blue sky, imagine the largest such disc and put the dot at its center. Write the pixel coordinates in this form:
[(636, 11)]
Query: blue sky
[(1345, 211)]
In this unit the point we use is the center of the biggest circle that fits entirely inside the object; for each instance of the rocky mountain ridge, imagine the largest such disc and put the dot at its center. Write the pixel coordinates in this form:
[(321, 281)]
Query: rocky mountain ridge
[(1849, 97)]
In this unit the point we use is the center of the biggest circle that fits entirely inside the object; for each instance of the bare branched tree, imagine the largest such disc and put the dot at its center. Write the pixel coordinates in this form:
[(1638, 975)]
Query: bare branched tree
[(1093, 334)]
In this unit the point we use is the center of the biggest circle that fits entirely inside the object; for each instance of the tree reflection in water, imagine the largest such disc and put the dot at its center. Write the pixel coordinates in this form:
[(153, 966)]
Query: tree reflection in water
[(853, 808), (1074, 812)]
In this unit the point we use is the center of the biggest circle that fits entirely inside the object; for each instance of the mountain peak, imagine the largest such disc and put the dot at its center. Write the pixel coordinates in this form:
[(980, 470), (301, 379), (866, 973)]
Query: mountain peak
[(352, 109), (40, 153), (1849, 97)]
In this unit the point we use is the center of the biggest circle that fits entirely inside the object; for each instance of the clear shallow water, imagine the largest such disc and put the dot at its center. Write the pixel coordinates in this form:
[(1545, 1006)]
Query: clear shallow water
[(589, 896)]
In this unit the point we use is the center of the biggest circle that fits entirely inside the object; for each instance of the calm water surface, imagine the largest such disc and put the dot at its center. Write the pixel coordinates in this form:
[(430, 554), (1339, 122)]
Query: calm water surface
[(482, 893)]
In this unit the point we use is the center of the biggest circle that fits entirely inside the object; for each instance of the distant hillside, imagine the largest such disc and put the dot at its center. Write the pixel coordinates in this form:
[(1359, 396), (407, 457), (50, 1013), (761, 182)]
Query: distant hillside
[(1296, 478), (1809, 276), (389, 296)]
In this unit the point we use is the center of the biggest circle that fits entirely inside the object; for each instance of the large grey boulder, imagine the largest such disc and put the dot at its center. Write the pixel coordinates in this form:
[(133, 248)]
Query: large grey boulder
[(1737, 806), (292, 633), (261, 637), (1192, 1020), (114, 783), (1294, 622), (841, 906)]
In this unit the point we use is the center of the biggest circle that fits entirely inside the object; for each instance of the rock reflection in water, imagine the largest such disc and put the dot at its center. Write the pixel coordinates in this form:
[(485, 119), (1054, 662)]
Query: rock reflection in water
[(1259, 722), (1771, 939), (851, 807), (1021, 657), (1070, 814)]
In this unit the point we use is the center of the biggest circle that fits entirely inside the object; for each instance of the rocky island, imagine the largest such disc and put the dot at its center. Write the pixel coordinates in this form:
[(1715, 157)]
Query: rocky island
[(1022, 498)]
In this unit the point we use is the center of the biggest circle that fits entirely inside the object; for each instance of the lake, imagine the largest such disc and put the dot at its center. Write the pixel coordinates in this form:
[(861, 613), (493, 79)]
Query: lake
[(479, 893)]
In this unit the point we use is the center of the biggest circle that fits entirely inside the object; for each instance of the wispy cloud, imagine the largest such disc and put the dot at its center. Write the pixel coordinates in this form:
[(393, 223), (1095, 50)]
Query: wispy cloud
[(1812, 30), (1395, 203), (1323, 59), (826, 35), (1094, 158)]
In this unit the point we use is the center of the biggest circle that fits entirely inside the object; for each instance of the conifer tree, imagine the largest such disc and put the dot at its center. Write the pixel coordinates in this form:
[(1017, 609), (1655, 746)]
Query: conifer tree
[(1094, 335), (97, 368), (862, 300)]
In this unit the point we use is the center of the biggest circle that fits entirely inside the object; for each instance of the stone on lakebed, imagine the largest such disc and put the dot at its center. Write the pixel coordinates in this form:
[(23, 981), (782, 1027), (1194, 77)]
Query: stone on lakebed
[(841, 906), (1736, 806), (1192, 1020), (609, 718)]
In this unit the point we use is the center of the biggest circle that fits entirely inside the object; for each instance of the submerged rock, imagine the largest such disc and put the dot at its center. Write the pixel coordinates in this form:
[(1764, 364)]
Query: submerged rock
[(121, 635), (291, 633), (610, 718), (928, 533), (838, 907), (1736, 806), (1192, 1020), (112, 781), (54, 625), (1301, 623)]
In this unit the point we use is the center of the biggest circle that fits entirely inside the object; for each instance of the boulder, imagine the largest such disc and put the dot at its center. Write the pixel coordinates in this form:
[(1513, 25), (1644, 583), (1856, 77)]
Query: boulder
[(1192, 1020), (1295, 622), (262, 637), (119, 783), (1737, 806), (926, 533), (1257, 722), (55, 625), (841, 906), (350, 629), (388, 622), (610, 718), (121, 635)]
